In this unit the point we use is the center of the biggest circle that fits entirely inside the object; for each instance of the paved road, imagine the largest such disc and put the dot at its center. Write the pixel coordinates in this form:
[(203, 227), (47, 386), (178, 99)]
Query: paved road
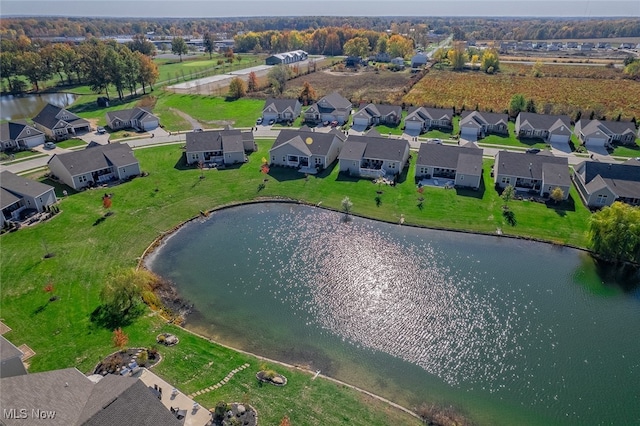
[(160, 136)]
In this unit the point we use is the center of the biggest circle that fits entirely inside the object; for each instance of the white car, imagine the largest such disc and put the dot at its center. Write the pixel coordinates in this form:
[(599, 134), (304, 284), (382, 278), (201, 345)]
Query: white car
[(49, 145)]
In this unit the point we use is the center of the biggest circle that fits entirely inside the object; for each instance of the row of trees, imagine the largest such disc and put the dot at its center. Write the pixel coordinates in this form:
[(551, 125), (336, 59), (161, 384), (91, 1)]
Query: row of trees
[(94, 62), (326, 41), (487, 60)]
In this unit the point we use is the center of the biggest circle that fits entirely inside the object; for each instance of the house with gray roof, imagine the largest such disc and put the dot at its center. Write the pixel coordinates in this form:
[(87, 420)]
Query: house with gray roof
[(475, 124), (460, 164), (373, 156), (549, 128), (281, 109), (218, 147), (333, 107), (422, 119), (19, 136), (306, 150), (19, 194), (537, 174), (58, 123), (10, 360), (600, 133), (600, 184), (94, 165), (135, 118), (67, 398), (419, 60), (372, 114), (287, 57)]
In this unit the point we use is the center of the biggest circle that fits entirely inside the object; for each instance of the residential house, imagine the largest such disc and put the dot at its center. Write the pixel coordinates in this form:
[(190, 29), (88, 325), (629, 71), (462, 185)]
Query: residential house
[(460, 164), (58, 123), (306, 150), (419, 60), (332, 107), (586, 46), (571, 45), (95, 164), (372, 114), (422, 119), (600, 184), (354, 61), (135, 118), (69, 398), (626, 46), (18, 194), (219, 147), (10, 360), (476, 124), (597, 133), (281, 109), (536, 174), (287, 57), (398, 62), (372, 156), (549, 128), (19, 136), (381, 57)]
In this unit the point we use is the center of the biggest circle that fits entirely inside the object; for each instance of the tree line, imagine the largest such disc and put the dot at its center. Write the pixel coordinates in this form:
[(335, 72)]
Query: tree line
[(94, 62), (477, 28)]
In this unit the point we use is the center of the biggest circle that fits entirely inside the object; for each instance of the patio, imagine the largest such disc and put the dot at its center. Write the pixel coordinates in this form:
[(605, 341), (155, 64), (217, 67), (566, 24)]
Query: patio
[(437, 182)]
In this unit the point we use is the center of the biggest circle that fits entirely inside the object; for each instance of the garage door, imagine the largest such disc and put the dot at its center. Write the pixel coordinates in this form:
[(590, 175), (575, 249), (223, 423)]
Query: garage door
[(361, 121), (469, 132), (413, 125), (559, 139), (598, 142)]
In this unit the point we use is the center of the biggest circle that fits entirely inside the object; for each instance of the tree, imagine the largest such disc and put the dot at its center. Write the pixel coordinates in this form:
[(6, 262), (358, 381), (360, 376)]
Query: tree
[(31, 65), (278, 77), (457, 57), (308, 93), (237, 88), (507, 195), (531, 106), (633, 69), (142, 45), (357, 46), (399, 46), (614, 233), (148, 71), (179, 47), (209, 43), (347, 205), (119, 338), (516, 105), (382, 44), (557, 194), (490, 61), (252, 82), (120, 298), (536, 71)]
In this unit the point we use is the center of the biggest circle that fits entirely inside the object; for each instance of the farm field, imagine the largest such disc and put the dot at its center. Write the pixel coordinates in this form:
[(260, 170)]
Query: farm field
[(566, 94), (368, 86)]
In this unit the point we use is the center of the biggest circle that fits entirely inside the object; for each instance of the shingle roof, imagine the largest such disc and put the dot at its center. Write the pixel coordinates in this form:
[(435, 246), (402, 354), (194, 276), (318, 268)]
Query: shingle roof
[(7, 198), (313, 143), (76, 400), (96, 158), (217, 140), (280, 105), (48, 117), (12, 130), (525, 165), (545, 121), (8, 350), (336, 102), (128, 114), (423, 113), (588, 127), (483, 117), (622, 179), (22, 186), (446, 156), (380, 110), (376, 148)]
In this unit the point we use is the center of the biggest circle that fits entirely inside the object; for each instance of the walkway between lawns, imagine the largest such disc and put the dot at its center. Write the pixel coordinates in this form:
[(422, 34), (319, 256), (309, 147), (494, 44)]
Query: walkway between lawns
[(220, 383)]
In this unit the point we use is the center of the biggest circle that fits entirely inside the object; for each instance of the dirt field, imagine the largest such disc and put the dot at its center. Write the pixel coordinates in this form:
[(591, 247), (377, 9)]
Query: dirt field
[(369, 86)]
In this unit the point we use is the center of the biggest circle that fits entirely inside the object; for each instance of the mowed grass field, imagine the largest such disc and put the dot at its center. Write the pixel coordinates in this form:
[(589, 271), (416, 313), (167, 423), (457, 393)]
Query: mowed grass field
[(565, 94)]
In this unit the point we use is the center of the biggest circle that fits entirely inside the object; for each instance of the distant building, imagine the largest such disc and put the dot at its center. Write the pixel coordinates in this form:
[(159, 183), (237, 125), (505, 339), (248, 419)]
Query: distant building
[(287, 57)]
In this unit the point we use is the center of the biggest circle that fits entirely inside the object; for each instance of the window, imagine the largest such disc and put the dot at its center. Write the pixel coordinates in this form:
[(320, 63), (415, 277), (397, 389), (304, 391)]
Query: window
[(461, 177), (506, 180), (392, 165), (82, 179), (601, 200)]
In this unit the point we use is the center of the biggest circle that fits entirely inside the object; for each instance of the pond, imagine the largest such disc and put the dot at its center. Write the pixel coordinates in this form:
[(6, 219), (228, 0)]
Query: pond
[(506, 331), (28, 106)]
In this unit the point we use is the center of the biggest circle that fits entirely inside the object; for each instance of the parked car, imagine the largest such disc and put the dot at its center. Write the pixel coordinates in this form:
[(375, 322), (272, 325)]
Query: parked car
[(272, 121), (438, 141), (49, 145), (334, 123), (198, 129), (101, 130), (259, 120), (533, 150)]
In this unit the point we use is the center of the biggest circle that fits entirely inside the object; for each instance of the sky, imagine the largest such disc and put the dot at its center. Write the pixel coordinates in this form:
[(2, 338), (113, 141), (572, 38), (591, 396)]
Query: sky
[(251, 8)]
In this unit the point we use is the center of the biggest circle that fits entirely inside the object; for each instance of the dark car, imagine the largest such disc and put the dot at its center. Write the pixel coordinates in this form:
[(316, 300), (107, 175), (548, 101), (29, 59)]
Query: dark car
[(533, 150), (272, 121), (259, 120)]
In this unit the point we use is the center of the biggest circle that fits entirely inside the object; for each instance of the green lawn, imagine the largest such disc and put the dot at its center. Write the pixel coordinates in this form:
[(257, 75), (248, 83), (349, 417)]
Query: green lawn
[(19, 155), (629, 151), (62, 334), (71, 143)]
